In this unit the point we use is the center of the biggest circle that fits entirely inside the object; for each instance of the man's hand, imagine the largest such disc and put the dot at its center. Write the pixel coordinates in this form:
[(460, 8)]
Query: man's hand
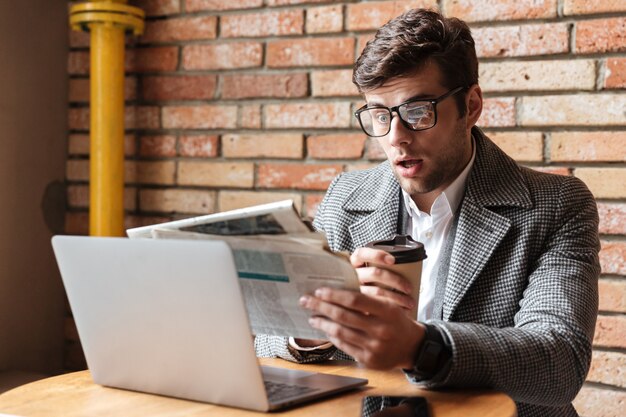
[(374, 330), (379, 282)]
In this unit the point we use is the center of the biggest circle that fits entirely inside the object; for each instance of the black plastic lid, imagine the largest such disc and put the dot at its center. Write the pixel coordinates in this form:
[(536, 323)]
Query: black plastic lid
[(402, 247)]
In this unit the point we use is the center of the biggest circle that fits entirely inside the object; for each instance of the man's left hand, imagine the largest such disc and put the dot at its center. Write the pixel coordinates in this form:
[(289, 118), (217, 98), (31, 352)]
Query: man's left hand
[(376, 332)]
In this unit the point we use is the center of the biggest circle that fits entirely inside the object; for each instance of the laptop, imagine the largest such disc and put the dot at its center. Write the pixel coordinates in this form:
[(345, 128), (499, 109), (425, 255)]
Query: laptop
[(167, 317)]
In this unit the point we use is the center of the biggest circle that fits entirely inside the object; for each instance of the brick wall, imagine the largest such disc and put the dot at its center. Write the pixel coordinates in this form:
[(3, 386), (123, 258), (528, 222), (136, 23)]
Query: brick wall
[(241, 102)]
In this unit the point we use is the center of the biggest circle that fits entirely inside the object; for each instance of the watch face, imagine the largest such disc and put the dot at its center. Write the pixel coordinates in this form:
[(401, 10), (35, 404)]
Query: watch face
[(384, 406)]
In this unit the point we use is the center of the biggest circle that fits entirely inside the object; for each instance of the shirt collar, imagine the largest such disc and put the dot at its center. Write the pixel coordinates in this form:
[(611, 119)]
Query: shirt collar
[(448, 201)]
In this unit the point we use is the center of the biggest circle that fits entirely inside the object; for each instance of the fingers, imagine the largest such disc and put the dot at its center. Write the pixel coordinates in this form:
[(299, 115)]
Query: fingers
[(350, 300), (401, 299), (370, 266), (362, 256), (342, 314), (361, 344), (342, 335), (338, 332), (384, 278)]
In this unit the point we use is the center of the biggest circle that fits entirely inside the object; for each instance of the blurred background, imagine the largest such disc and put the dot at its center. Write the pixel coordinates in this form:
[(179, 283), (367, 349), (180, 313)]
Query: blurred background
[(241, 102)]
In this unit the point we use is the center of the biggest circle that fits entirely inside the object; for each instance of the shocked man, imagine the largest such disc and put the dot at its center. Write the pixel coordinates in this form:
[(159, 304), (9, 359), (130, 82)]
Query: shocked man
[(509, 297)]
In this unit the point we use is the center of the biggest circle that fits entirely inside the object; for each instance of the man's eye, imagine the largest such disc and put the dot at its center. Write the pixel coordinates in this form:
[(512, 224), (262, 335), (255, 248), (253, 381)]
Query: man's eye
[(417, 114), (381, 117)]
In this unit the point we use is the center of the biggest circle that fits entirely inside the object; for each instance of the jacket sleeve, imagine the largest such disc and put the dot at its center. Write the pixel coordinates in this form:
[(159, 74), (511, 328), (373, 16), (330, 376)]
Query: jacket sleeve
[(544, 358), (320, 219)]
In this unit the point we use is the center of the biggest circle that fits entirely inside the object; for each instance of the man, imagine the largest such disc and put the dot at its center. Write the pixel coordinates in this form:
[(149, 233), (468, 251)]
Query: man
[(509, 299)]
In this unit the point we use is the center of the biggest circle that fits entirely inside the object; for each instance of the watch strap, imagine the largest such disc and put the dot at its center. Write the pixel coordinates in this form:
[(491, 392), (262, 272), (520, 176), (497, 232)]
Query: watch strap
[(433, 354)]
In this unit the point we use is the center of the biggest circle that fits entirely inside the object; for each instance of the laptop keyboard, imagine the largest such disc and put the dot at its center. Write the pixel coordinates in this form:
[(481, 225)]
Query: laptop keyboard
[(277, 391)]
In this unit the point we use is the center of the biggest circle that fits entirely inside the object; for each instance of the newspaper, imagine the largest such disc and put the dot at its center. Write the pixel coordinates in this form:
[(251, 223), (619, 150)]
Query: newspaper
[(273, 218), (278, 258)]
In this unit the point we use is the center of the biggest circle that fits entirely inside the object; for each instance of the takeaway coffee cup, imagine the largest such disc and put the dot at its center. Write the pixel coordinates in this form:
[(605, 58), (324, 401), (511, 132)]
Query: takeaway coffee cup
[(409, 255)]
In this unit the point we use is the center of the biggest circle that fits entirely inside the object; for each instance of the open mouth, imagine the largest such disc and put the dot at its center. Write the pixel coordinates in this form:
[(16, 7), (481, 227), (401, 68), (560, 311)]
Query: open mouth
[(410, 163), (409, 168)]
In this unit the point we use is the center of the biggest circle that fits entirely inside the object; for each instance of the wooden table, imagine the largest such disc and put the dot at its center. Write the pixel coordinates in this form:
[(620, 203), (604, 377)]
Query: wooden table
[(75, 394)]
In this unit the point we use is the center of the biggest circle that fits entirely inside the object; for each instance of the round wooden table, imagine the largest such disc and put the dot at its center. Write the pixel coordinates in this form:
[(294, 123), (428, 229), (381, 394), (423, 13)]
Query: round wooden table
[(75, 394)]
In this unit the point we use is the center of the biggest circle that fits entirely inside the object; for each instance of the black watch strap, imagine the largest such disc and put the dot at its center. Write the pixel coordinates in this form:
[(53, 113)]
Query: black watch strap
[(433, 354)]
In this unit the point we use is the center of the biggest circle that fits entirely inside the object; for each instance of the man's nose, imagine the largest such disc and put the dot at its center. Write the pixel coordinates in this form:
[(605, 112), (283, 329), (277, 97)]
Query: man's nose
[(398, 134)]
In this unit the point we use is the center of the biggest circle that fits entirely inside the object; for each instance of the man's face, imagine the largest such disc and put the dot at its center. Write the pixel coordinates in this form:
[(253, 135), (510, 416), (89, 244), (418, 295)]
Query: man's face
[(424, 162)]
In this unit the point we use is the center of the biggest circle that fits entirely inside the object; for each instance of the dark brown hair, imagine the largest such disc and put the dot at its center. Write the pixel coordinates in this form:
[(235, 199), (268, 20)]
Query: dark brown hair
[(406, 43)]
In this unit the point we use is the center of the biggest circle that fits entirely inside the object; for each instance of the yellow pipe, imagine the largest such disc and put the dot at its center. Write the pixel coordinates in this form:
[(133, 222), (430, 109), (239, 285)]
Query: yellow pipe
[(107, 21), (106, 170)]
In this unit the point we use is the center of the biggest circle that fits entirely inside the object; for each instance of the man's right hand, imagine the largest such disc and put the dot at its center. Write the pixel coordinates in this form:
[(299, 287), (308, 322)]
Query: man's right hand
[(380, 282), (376, 282)]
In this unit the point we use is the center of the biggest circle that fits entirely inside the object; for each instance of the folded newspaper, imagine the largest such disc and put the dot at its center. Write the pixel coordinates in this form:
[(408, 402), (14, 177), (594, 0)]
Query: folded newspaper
[(278, 258)]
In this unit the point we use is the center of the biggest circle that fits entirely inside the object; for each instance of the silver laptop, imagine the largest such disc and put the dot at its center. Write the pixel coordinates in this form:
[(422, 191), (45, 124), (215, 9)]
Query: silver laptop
[(167, 317)]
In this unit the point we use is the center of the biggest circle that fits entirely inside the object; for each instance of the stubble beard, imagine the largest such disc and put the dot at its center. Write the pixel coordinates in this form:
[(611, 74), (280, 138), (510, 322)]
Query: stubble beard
[(444, 167)]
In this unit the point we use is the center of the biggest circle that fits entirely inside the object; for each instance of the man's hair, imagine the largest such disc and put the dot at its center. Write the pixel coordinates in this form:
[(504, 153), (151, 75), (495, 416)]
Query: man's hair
[(406, 43)]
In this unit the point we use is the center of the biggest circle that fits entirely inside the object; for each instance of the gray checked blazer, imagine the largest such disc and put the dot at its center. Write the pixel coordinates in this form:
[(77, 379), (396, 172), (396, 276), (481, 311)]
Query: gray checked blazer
[(518, 296)]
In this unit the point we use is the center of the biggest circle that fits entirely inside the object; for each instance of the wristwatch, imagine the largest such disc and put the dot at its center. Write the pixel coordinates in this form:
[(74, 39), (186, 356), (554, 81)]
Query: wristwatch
[(433, 355)]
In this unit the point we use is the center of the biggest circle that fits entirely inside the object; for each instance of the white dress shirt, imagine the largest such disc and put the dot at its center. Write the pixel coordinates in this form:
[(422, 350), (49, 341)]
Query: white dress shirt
[(432, 230)]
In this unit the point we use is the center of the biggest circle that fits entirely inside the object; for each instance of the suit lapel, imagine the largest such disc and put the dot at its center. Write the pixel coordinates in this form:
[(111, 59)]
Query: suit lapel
[(495, 181), (378, 202), (479, 233), (379, 225)]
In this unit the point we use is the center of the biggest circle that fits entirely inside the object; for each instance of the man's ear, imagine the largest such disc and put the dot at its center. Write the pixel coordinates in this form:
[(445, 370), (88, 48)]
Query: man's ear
[(474, 105)]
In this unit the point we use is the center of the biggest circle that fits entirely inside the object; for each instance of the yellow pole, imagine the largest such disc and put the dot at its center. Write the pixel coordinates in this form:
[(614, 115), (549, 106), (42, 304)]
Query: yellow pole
[(107, 21), (106, 170)]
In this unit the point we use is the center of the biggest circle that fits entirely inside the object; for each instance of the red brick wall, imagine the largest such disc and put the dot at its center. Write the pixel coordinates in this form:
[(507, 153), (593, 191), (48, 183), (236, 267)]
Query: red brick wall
[(239, 102)]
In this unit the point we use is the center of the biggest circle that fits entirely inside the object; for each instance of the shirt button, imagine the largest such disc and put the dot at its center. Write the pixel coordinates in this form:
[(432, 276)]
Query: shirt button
[(429, 234)]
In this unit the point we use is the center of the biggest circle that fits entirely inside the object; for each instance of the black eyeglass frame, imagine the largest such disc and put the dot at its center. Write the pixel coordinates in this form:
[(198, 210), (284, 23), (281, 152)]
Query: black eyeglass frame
[(395, 109)]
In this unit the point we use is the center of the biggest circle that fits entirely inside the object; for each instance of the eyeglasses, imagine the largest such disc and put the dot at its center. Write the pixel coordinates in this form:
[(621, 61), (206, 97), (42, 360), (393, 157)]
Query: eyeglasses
[(415, 115)]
